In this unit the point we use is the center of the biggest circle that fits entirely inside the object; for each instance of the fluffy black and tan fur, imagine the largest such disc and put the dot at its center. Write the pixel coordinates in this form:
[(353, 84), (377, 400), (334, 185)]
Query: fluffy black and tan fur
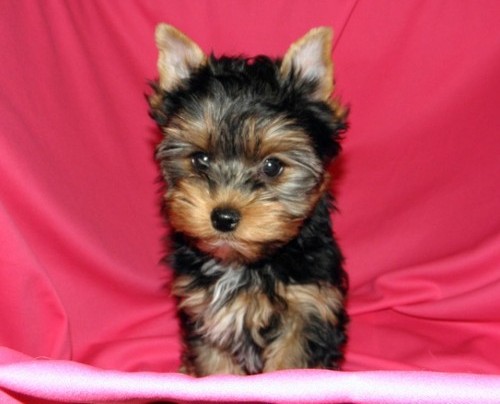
[(247, 143)]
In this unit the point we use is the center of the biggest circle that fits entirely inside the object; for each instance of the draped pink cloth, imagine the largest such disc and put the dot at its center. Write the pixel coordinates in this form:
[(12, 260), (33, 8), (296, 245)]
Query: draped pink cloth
[(85, 313)]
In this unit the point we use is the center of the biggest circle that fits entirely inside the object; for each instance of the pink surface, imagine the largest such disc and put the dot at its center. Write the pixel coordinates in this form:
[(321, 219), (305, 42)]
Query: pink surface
[(80, 230), (75, 382)]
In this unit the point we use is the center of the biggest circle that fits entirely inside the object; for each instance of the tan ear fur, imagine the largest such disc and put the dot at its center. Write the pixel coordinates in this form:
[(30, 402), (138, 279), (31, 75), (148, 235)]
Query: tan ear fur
[(310, 57), (178, 56)]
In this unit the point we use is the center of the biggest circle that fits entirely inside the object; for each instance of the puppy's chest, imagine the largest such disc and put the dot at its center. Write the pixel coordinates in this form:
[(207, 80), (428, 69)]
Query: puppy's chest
[(234, 308)]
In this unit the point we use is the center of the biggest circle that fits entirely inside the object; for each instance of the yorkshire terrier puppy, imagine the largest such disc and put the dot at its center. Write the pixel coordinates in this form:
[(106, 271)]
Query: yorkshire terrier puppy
[(247, 143)]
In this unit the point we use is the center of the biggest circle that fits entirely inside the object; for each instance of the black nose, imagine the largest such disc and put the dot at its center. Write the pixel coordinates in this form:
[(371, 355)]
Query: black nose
[(225, 219)]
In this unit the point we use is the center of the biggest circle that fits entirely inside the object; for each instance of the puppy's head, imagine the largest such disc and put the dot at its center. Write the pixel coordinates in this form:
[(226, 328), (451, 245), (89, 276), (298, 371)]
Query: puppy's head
[(246, 141)]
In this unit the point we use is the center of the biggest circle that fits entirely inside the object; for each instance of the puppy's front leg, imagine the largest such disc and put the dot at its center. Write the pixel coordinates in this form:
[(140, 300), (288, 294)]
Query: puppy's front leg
[(311, 330), (207, 360), (287, 351)]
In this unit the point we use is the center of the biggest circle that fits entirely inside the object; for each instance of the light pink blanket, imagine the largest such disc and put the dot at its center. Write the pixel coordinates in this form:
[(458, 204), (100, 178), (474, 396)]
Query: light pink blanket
[(25, 379)]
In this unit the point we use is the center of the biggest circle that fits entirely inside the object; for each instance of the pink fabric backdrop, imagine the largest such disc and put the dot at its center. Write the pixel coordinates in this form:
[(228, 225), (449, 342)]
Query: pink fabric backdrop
[(418, 190)]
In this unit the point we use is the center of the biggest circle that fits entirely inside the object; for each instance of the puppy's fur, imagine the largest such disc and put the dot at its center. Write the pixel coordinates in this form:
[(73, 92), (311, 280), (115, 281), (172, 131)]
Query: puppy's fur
[(247, 143)]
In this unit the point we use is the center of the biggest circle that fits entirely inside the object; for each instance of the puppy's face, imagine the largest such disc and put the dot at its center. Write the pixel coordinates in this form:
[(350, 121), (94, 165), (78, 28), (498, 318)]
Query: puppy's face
[(238, 191), (245, 142)]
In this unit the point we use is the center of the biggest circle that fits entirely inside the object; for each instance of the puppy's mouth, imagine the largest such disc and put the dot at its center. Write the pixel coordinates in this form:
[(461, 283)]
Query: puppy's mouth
[(224, 249), (231, 250)]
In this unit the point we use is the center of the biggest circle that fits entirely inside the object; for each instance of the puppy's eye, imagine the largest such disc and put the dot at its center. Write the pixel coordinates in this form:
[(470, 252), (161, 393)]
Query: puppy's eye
[(272, 167), (200, 161)]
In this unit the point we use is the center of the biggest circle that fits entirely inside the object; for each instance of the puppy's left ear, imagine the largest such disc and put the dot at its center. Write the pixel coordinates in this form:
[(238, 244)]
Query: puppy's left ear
[(178, 56), (310, 58)]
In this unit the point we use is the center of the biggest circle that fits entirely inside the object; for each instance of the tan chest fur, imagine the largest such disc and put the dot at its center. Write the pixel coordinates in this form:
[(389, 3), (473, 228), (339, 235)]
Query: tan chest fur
[(221, 321)]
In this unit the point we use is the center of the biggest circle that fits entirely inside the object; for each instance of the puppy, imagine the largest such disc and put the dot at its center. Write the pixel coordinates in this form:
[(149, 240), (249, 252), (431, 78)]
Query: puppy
[(245, 155)]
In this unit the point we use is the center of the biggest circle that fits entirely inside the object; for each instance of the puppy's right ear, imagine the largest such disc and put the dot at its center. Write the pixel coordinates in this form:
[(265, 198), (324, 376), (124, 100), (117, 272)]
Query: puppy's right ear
[(311, 59), (178, 56)]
